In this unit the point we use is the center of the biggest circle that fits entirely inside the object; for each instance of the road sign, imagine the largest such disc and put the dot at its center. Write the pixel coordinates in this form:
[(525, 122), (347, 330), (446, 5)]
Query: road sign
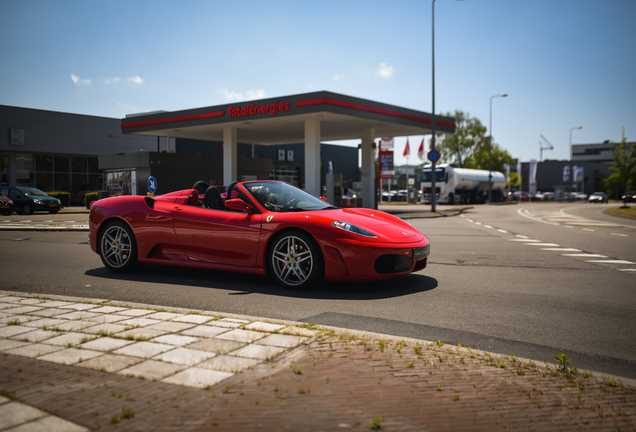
[(152, 184), (433, 156)]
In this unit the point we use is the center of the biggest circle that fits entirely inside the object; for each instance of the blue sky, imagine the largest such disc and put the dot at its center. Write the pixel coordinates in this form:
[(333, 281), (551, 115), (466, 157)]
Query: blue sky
[(564, 63)]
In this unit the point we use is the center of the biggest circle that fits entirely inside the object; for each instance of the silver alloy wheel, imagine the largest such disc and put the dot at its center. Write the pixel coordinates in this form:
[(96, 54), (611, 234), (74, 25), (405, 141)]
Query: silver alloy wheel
[(292, 260), (116, 246)]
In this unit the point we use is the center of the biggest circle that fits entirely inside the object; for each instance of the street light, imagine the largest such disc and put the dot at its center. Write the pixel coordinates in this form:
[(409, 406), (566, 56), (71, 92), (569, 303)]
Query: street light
[(572, 156), (490, 148)]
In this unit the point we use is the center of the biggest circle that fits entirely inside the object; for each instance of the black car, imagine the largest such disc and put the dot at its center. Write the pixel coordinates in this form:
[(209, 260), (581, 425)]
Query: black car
[(629, 196), (27, 200)]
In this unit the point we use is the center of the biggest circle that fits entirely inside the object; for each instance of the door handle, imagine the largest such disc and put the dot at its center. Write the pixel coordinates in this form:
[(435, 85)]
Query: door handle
[(178, 208)]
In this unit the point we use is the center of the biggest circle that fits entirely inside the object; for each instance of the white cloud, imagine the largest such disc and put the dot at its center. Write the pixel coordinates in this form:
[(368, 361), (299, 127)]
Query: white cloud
[(79, 81), (338, 77), (384, 71), (136, 80), (126, 107), (108, 81), (249, 95)]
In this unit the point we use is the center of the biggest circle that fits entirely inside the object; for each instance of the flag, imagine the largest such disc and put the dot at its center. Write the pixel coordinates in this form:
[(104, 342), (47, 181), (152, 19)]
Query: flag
[(407, 149), (420, 152)]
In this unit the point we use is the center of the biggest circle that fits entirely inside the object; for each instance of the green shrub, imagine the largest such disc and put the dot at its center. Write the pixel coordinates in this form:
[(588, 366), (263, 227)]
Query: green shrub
[(89, 198), (64, 197)]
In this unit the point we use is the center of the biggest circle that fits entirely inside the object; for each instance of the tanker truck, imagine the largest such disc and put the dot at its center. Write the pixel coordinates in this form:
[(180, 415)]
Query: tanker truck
[(461, 185)]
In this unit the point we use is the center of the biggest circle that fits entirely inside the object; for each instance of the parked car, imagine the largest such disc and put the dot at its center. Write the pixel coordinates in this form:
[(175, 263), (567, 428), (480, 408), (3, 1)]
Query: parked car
[(261, 227), (580, 196), (78, 194), (520, 196), (629, 196), (6, 205), (27, 200), (537, 196), (549, 196), (598, 197)]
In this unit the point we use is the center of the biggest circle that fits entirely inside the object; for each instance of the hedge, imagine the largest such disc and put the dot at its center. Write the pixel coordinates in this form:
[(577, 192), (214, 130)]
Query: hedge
[(89, 198), (64, 197)]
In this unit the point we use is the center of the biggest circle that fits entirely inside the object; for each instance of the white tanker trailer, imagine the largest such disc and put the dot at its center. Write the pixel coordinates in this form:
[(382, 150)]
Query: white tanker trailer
[(461, 185)]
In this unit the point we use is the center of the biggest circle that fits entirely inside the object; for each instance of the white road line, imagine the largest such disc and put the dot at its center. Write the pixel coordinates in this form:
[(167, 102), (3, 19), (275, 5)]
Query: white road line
[(620, 235), (634, 270), (487, 226), (588, 229), (526, 240), (502, 231), (543, 244), (586, 255), (612, 262), (470, 220), (562, 249), (477, 223), (521, 236), (525, 214)]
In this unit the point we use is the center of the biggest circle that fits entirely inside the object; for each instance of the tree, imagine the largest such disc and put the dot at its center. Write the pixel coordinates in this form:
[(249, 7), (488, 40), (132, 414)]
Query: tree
[(624, 176), (468, 146)]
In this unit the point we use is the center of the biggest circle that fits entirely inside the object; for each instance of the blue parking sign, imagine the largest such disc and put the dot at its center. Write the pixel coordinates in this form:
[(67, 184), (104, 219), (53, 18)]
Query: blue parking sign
[(152, 184)]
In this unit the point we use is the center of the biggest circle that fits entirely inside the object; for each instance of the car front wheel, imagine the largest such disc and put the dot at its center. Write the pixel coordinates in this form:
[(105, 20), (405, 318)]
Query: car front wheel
[(295, 261), (118, 248), (27, 209)]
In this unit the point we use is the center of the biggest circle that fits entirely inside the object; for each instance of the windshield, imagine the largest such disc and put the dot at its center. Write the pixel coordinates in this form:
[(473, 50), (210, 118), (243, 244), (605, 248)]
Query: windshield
[(32, 191), (427, 177), (279, 196)]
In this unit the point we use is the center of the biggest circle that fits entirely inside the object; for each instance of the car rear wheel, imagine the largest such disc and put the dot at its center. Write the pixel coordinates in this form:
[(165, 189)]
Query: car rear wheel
[(27, 209), (295, 260), (118, 248)]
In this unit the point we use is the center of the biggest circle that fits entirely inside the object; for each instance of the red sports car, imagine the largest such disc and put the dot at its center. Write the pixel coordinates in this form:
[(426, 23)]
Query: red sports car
[(258, 227)]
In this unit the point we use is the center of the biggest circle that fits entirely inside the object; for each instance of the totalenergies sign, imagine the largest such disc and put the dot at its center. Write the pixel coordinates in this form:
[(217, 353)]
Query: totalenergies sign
[(258, 109)]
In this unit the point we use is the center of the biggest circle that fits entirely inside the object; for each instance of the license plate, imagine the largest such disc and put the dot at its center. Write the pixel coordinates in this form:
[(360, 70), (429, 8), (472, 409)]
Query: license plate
[(421, 252), (52, 205), (4, 206)]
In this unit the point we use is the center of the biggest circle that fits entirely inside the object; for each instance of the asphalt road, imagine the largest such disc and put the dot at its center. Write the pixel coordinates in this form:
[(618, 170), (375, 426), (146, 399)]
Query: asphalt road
[(485, 286)]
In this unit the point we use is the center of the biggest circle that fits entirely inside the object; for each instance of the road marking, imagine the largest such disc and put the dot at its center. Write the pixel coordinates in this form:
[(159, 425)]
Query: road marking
[(634, 270), (523, 212), (543, 244), (612, 262), (525, 239), (620, 235), (588, 229), (521, 236), (503, 231), (586, 255), (470, 220), (477, 223), (563, 249)]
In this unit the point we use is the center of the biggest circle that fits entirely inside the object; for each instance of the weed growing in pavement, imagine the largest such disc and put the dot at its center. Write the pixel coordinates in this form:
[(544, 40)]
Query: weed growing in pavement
[(439, 343), (375, 423), (298, 370), (14, 322)]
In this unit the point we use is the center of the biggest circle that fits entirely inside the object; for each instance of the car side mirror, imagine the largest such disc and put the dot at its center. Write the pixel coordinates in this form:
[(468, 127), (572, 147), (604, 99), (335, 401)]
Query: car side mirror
[(239, 204)]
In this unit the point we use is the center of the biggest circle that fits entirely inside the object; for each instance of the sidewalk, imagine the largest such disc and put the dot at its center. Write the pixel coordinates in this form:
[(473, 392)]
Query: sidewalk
[(87, 364)]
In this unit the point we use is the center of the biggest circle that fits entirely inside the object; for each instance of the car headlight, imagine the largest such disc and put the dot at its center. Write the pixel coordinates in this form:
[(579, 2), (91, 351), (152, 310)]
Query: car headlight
[(352, 229), (59, 202), (37, 201)]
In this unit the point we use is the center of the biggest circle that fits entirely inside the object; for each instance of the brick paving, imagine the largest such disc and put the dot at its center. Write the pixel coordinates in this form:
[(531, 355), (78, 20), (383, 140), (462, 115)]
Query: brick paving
[(332, 380)]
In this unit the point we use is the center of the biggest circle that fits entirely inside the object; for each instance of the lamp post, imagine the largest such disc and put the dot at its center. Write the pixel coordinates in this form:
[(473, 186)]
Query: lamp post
[(572, 157), (433, 173), (490, 148)]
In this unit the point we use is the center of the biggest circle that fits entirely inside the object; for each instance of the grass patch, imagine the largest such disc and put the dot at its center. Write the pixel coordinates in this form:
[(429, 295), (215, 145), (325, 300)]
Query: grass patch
[(623, 211)]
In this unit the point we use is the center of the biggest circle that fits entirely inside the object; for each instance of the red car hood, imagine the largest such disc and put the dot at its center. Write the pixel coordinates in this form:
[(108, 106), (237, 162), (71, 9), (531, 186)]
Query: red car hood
[(384, 225)]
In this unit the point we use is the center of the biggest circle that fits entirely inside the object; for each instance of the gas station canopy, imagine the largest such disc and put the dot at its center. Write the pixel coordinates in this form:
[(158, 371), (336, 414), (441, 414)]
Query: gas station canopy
[(305, 118)]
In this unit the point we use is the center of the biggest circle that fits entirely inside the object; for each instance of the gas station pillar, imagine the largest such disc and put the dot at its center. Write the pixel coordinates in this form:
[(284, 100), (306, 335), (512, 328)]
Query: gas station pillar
[(230, 156), (312, 157), (368, 168)]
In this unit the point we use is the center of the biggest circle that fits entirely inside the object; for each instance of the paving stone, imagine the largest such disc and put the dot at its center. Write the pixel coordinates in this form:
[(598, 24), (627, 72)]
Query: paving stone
[(141, 333), (31, 301), (259, 352), (184, 356), (194, 319), (15, 413), (142, 322), (12, 330), (74, 325), (144, 349), (70, 356), (234, 320), (106, 319), (231, 325), (152, 369), (34, 350), (48, 312), (45, 322), (240, 335), (176, 340), (55, 303), (172, 327), (11, 299), (48, 424), (105, 328), (135, 312), (110, 362), (6, 305), (204, 331), (217, 346), (22, 310), (22, 319), (106, 344), (77, 315), (37, 335), (195, 377), (109, 309), (7, 344), (164, 316), (228, 363), (263, 326), (285, 341), (298, 331), (79, 306), (68, 338)]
